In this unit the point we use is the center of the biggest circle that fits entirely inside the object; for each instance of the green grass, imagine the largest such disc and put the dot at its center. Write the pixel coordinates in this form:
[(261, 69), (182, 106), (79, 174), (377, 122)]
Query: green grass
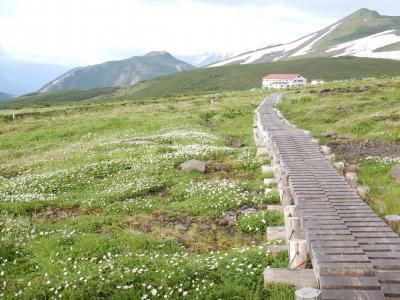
[(220, 79), (392, 47), (93, 206), (366, 109)]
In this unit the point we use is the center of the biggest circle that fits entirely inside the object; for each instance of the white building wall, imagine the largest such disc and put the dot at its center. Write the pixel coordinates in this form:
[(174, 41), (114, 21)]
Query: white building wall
[(298, 81)]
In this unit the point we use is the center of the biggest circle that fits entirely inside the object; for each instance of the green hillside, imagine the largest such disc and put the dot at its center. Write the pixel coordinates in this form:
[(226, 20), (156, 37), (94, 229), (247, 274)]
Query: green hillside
[(117, 73), (4, 96), (362, 23), (226, 78)]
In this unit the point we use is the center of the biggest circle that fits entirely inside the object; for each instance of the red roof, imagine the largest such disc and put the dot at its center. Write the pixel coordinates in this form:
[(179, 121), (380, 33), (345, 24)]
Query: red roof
[(281, 76)]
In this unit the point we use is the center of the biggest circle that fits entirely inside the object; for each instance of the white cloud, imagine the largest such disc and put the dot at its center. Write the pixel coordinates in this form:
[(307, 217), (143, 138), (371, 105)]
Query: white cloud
[(92, 31)]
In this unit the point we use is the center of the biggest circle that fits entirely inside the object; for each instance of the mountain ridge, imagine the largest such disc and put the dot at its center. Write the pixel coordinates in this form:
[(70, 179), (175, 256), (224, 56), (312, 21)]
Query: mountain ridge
[(118, 72), (363, 34)]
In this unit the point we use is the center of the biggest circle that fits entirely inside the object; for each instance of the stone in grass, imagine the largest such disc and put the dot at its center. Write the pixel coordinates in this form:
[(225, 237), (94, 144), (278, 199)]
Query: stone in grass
[(193, 164), (180, 227), (222, 167), (351, 169), (395, 172)]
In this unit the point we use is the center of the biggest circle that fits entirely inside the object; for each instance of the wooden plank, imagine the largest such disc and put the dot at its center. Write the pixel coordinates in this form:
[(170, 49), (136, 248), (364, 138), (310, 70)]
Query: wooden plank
[(388, 276), (345, 282), (391, 290), (331, 250), (387, 264), (337, 294), (344, 269), (297, 278), (337, 258)]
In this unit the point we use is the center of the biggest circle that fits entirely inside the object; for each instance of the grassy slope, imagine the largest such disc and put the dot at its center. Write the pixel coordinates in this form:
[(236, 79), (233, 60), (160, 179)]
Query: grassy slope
[(354, 27), (91, 199), (367, 109), (237, 77), (393, 47)]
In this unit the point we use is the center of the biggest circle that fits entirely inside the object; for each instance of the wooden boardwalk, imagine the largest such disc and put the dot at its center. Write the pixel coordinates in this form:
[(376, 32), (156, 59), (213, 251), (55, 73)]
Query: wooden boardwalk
[(355, 255)]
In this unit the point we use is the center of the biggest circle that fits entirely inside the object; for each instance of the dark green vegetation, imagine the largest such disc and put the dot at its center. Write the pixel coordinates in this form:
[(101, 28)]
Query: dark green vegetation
[(93, 206), (235, 77), (359, 111), (116, 73)]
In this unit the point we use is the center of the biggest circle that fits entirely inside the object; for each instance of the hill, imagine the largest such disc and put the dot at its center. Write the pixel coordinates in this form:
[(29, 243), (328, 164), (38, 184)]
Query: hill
[(362, 34), (117, 73), (19, 77), (226, 78), (4, 96)]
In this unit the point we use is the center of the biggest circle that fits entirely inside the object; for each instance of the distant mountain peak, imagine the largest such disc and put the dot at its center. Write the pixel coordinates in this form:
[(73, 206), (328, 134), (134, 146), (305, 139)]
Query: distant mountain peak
[(158, 53), (365, 33), (119, 72)]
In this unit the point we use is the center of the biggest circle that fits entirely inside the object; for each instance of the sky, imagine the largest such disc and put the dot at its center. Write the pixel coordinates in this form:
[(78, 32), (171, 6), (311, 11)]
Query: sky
[(82, 32)]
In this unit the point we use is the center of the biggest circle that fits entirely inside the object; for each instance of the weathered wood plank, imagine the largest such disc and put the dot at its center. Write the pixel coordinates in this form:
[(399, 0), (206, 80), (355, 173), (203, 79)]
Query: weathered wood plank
[(337, 294)]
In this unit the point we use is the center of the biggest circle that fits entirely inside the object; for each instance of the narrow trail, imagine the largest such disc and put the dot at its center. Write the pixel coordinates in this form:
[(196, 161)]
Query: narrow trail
[(355, 255)]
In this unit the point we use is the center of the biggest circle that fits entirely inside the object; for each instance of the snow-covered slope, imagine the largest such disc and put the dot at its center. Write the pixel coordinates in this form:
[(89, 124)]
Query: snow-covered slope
[(366, 47), (364, 34)]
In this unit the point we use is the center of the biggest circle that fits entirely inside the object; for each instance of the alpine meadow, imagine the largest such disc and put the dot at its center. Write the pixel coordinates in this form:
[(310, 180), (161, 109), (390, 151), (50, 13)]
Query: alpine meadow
[(270, 173)]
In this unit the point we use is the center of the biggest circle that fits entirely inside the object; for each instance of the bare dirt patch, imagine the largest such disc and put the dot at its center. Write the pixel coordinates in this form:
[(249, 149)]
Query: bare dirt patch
[(54, 214), (196, 234), (358, 150)]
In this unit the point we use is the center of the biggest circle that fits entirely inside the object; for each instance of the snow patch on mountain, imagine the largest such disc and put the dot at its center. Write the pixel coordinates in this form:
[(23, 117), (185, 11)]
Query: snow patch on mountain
[(307, 49), (251, 57), (365, 47)]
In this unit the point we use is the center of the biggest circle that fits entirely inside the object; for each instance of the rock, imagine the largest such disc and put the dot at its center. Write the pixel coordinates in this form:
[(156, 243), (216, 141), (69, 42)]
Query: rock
[(344, 108), (247, 211), (193, 164), (180, 227), (362, 192), (339, 166), (223, 222), (351, 179), (330, 134), (222, 167), (351, 169), (395, 172), (346, 136)]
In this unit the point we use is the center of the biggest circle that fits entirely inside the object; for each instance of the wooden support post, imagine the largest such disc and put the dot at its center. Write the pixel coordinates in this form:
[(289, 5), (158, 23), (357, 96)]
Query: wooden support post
[(297, 278), (298, 254), (267, 169), (331, 158), (269, 181), (339, 166), (362, 192), (307, 293), (351, 179), (278, 208), (276, 233), (325, 150), (315, 141), (285, 196), (293, 228), (290, 211), (393, 221)]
